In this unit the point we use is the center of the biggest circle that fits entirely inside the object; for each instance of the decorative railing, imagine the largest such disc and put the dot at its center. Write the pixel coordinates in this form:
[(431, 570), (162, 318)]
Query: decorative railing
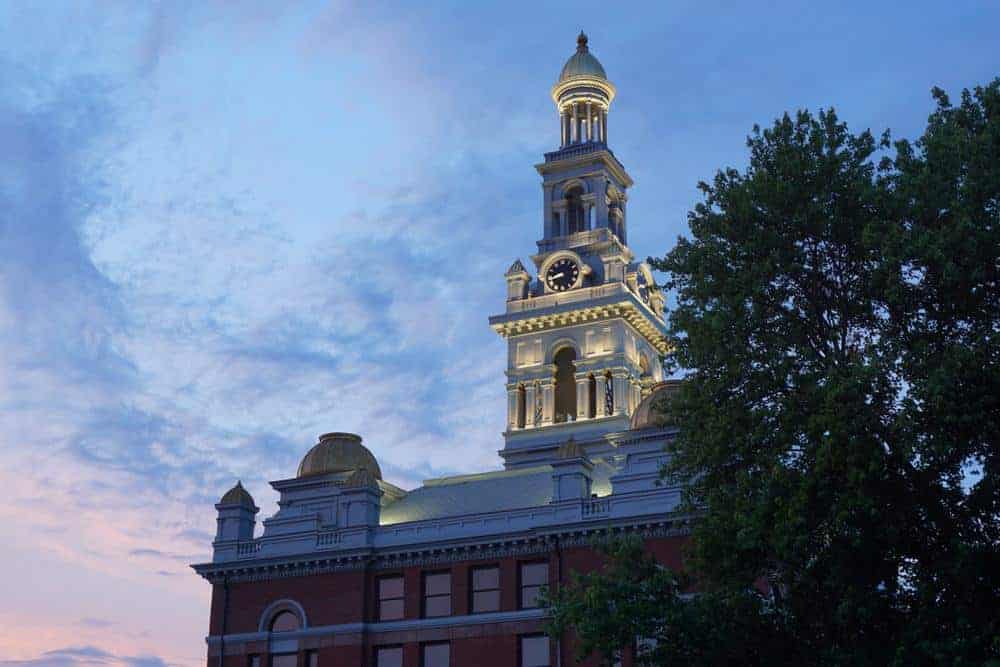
[(327, 539), (577, 239), (582, 294), (573, 150), (596, 506), (247, 549)]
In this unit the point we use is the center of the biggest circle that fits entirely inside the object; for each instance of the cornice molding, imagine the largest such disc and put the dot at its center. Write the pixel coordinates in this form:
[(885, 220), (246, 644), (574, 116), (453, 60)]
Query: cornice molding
[(603, 156), (539, 541), (626, 310)]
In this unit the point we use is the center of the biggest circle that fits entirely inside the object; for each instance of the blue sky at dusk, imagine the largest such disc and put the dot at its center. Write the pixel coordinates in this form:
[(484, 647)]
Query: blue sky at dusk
[(226, 228)]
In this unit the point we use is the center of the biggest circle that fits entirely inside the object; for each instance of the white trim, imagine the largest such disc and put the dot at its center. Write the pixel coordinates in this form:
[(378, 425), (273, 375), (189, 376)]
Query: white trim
[(389, 626), (271, 610), (559, 345)]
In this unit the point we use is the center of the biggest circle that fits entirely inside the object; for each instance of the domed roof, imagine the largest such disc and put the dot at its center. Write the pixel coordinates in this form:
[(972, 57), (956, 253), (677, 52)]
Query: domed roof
[(582, 63), (339, 452), (647, 414), (237, 496)]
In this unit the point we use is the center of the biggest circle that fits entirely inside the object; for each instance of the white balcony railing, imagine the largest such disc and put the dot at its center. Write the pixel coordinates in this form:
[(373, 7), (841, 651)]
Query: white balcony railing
[(247, 549)]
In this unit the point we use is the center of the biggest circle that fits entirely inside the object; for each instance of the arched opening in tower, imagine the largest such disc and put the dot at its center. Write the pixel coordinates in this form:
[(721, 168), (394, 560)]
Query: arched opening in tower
[(576, 220), (565, 408), (522, 406)]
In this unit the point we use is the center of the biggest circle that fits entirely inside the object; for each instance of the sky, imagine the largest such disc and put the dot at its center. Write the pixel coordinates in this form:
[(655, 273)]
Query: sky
[(226, 228)]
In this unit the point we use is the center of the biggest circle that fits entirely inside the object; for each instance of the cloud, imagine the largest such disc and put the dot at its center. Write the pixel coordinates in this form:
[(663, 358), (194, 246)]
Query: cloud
[(80, 656), (162, 333)]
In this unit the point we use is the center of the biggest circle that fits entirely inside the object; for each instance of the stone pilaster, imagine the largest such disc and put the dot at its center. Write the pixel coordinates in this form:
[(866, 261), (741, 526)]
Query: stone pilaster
[(582, 396), (548, 403), (513, 416), (602, 389), (620, 387), (530, 400)]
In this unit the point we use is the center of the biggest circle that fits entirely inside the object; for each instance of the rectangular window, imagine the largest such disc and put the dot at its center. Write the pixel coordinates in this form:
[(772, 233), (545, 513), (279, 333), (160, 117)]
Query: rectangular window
[(284, 660), (435, 655), (437, 594), (312, 658), (534, 576), (254, 661), (485, 589), (390, 598), (389, 656), (535, 651)]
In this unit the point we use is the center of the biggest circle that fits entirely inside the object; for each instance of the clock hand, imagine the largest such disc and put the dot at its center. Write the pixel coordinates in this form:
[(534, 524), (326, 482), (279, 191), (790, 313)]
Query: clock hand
[(558, 275)]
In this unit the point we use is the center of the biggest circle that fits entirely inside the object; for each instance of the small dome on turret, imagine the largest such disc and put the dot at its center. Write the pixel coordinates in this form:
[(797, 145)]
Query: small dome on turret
[(237, 496), (648, 413), (582, 63), (583, 96), (339, 452)]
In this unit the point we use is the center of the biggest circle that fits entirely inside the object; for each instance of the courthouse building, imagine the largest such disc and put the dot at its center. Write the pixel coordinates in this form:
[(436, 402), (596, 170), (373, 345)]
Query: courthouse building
[(352, 570)]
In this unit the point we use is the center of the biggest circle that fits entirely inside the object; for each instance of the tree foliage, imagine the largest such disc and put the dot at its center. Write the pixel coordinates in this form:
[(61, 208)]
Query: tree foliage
[(838, 313)]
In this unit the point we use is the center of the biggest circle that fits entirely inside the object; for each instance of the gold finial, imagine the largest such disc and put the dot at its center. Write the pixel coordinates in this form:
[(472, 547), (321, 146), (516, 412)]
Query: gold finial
[(581, 41)]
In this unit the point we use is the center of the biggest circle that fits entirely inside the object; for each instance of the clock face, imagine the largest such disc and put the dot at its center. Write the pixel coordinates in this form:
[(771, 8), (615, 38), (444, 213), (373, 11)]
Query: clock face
[(562, 275)]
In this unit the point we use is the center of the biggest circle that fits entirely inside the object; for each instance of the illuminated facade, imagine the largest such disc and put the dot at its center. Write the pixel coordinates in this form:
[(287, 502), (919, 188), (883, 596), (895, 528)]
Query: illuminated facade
[(352, 570)]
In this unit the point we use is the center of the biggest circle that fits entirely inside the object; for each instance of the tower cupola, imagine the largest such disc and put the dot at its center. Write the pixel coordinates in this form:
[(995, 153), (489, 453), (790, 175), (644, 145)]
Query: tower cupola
[(237, 515), (583, 96)]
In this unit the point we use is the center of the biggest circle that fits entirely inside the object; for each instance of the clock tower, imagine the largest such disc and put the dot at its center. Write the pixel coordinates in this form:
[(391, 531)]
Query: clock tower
[(585, 329)]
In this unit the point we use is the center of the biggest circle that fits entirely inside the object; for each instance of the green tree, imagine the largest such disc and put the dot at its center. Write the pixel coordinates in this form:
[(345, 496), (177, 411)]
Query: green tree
[(838, 315)]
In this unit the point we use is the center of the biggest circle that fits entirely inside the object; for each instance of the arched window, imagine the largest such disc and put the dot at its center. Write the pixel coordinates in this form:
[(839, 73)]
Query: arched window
[(591, 396), (576, 220), (565, 407), (521, 406), (285, 621), (609, 394)]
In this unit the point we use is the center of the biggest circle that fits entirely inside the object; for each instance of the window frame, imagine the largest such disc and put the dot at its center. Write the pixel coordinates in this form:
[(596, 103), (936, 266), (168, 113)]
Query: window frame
[(473, 590), (424, 645), (424, 596), (521, 585), (379, 600), (520, 649), (388, 647)]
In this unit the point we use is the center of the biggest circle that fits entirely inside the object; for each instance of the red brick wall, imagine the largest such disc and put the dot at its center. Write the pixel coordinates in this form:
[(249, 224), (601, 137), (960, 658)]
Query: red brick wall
[(338, 598), (328, 599)]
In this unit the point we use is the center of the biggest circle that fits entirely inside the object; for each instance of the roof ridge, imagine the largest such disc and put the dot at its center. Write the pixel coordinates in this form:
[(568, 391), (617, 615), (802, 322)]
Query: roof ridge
[(490, 474)]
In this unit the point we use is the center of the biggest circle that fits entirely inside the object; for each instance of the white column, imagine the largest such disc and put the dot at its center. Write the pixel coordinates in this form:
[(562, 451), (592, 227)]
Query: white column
[(529, 406), (590, 124), (621, 393), (602, 388), (582, 397), (548, 403), (575, 129), (512, 412)]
